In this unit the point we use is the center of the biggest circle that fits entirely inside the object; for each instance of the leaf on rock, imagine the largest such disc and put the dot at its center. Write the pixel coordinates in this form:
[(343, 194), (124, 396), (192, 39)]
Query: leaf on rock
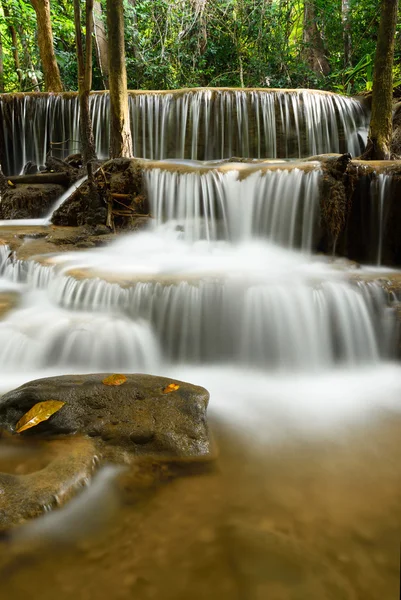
[(38, 413), (115, 379), (173, 387)]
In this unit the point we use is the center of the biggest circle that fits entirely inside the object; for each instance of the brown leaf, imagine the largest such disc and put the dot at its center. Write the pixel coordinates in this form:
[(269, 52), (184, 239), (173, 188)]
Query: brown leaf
[(115, 379), (38, 413), (173, 387)]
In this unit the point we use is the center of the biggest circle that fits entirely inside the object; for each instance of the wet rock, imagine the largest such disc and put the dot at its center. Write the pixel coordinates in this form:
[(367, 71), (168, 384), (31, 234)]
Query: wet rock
[(113, 195), (101, 230), (30, 168), (136, 416), (31, 201), (56, 470), (8, 301)]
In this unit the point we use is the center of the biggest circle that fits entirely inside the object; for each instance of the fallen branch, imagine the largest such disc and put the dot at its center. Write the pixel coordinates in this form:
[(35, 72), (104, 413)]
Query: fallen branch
[(58, 178)]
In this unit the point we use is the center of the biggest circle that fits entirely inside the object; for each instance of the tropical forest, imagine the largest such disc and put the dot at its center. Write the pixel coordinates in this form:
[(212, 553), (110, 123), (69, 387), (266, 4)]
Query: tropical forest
[(200, 299)]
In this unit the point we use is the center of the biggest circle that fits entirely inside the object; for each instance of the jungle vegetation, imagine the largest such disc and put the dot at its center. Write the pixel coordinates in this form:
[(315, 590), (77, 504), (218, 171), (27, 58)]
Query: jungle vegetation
[(328, 44)]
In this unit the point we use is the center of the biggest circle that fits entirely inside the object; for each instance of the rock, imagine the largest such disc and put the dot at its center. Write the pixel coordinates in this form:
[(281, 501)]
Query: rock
[(135, 421), (56, 470), (8, 301), (136, 416), (29, 201), (30, 168), (101, 230), (117, 188)]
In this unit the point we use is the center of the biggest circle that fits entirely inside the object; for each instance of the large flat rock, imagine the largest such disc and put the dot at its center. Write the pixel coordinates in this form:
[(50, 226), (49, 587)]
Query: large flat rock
[(138, 415)]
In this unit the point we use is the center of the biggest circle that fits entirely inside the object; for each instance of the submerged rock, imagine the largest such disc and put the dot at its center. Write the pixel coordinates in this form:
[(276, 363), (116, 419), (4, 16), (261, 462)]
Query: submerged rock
[(138, 415), (46, 476)]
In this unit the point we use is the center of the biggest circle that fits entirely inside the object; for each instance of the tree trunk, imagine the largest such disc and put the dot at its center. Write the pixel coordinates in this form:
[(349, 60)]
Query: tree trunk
[(314, 46), (2, 88), (14, 42), (135, 29), (345, 5), (380, 132), (87, 141), (120, 133), (28, 61), (46, 50), (102, 48)]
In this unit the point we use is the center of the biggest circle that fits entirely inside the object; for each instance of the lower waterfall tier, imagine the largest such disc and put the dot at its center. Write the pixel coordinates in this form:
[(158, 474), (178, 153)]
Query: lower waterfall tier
[(152, 298)]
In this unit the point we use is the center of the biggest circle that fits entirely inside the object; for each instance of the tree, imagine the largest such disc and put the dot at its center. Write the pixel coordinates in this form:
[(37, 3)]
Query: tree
[(85, 80), (45, 42), (102, 47), (314, 47), (378, 147), (14, 41), (2, 88), (120, 133), (345, 14), (28, 64)]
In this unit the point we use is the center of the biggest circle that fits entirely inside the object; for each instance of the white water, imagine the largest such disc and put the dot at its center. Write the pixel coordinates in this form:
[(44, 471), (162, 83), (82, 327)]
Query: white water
[(252, 304), (200, 124), (238, 202), (381, 193)]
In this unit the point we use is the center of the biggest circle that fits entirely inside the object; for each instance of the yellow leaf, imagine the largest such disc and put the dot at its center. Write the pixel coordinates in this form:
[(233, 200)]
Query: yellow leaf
[(10, 183), (38, 413), (173, 387), (115, 379)]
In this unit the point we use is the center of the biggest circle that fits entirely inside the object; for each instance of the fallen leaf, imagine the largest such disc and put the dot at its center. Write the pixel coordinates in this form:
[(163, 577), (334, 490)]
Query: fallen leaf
[(173, 387), (115, 379), (38, 413), (10, 183)]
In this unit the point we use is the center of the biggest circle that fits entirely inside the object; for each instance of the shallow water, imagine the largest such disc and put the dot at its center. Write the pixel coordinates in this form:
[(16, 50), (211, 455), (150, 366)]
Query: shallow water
[(302, 502)]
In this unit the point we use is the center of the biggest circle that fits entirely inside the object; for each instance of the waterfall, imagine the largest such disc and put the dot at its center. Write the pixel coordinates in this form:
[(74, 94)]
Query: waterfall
[(273, 325), (223, 290), (237, 203), (380, 192), (251, 304), (40, 336), (203, 124)]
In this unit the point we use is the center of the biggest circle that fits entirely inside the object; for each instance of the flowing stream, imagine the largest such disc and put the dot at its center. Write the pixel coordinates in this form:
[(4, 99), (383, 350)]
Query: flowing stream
[(297, 351)]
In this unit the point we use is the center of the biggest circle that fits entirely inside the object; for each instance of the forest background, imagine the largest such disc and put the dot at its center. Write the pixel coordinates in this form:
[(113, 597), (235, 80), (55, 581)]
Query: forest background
[(328, 44)]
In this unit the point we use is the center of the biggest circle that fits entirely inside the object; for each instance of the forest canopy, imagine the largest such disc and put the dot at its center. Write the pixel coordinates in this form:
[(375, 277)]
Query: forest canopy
[(170, 44)]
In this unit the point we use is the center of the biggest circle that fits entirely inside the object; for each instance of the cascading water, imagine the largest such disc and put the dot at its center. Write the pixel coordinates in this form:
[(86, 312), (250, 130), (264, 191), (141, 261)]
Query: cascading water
[(203, 124), (224, 291), (238, 202), (247, 304), (381, 193)]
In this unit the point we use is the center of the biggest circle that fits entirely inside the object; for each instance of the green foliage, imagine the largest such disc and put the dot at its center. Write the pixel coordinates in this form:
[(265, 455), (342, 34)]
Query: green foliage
[(188, 43)]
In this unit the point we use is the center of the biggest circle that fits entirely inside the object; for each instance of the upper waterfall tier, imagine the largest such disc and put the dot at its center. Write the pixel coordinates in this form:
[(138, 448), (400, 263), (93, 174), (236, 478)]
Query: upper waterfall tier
[(203, 124)]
